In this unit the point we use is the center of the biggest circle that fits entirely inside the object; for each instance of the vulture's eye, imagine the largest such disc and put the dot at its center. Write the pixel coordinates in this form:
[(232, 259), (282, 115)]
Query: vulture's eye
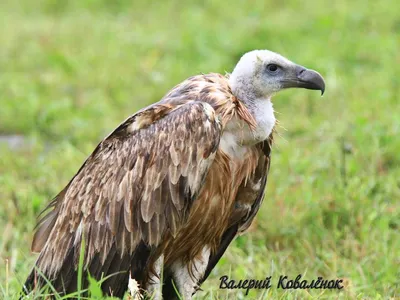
[(272, 68)]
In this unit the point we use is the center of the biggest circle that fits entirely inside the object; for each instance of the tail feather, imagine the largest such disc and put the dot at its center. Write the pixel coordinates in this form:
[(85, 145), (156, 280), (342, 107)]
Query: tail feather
[(118, 268)]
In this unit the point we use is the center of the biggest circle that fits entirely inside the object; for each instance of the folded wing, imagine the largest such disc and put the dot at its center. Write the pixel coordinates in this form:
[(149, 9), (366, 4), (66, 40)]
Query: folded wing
[(135, 190)]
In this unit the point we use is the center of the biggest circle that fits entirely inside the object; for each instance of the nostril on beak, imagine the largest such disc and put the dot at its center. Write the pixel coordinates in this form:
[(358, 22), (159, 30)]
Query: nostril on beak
[(300, 70)]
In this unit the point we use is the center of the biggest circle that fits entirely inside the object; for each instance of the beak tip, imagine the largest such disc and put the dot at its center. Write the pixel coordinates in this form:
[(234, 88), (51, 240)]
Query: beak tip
[(312, 80)]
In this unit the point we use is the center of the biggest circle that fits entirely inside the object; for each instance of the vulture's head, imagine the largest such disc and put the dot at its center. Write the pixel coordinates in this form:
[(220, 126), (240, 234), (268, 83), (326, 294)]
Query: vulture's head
[(261, 73)]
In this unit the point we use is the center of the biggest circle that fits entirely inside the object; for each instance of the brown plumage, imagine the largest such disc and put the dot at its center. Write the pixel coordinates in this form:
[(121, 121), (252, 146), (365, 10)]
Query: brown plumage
[(172, 185)]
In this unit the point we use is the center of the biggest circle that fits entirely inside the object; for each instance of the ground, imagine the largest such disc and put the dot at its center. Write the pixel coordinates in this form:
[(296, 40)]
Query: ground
[(71, 71)]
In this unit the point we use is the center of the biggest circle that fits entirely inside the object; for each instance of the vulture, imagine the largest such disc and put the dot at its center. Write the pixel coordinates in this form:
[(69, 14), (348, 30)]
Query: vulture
[(161, 198)]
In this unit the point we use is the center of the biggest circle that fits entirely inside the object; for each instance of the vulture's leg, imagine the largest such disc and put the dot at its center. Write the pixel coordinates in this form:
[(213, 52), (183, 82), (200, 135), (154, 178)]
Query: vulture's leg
[(154, 286), (185, 283)]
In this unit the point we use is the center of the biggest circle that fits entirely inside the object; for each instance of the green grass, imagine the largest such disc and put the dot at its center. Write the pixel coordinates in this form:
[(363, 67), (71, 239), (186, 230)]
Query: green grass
[(71, 71)]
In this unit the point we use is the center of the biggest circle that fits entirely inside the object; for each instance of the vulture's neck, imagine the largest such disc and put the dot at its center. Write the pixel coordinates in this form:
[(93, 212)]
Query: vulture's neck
[(238, 137), (260, 107)]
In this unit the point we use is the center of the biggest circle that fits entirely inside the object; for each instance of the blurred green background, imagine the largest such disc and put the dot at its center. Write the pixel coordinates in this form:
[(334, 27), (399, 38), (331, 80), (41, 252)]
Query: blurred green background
[(71, 71)]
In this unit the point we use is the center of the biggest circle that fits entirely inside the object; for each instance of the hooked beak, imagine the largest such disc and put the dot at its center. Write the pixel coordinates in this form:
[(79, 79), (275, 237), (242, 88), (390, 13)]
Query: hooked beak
[(305, 78)]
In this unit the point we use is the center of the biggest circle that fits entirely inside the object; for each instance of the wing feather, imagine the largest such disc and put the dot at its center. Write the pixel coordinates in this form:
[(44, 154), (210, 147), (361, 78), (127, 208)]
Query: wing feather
[(136, 186)]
